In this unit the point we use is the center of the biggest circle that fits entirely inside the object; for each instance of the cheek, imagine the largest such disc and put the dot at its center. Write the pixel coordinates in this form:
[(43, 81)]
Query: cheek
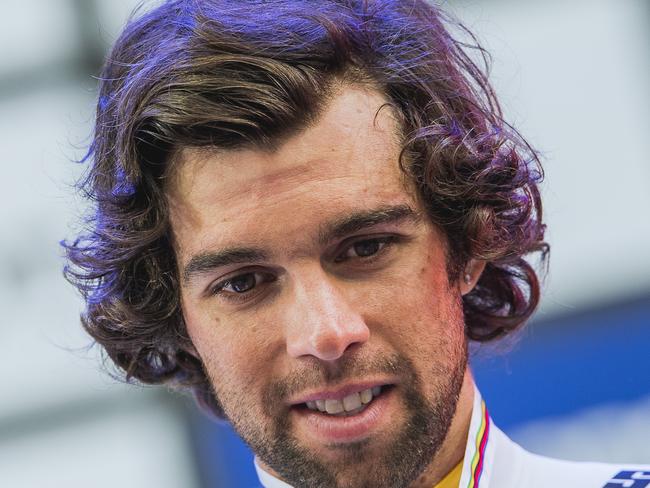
[(416, 309), (236, 356), (414, 289), (233, 369), (201, 327)]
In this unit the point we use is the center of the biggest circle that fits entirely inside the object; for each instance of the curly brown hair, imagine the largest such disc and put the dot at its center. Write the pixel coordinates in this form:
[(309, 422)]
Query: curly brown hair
[(227, 74)]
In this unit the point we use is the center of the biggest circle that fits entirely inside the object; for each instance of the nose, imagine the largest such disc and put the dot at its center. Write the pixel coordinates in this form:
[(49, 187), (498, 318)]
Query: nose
[(322, 322)]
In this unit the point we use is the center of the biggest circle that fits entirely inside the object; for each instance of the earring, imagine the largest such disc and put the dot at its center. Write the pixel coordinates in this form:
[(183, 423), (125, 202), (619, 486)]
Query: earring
[(467, 278)]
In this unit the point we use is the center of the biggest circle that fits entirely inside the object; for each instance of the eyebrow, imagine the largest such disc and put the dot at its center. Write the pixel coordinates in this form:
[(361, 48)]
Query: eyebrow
[(208, 261), (365, 219)]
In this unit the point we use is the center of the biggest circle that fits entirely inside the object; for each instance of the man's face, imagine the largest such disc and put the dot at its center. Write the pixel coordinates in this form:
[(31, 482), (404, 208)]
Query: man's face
[(311, 279)]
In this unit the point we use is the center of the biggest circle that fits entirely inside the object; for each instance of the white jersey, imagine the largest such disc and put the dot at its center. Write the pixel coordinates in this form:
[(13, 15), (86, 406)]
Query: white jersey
[(492, 460)]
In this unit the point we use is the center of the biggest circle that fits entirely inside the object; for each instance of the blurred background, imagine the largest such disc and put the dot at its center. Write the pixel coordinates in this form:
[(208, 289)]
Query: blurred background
[(574, 77)]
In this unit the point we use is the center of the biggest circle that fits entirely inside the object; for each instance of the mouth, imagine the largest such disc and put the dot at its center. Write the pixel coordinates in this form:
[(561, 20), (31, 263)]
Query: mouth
[(351, 404), (347, 415)]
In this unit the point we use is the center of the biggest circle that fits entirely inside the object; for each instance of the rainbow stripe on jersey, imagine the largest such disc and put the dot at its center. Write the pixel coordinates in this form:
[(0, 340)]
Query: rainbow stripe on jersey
[(481, 442)]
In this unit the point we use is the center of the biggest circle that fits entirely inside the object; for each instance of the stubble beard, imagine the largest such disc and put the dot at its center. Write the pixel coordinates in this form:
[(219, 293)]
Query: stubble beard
[(401, 461)]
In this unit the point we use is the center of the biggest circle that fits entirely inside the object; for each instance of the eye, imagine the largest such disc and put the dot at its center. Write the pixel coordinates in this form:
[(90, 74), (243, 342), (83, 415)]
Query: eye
[(241, 284), (365, 248)]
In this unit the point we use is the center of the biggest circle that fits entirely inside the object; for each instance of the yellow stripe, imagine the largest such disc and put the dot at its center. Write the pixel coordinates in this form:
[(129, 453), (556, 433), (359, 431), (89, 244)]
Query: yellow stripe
[(453, 477), (475, 460)]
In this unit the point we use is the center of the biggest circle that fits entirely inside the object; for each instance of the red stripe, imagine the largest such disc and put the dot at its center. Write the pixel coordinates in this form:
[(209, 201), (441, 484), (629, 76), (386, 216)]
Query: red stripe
[(479, 467)]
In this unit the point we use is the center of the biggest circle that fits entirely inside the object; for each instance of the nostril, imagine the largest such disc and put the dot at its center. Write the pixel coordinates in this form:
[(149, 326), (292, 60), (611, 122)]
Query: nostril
[(353, 347)]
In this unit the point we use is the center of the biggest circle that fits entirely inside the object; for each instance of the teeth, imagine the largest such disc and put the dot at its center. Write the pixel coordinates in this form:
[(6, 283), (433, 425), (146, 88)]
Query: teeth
[(333, 406), (351, 402), (354, 402), (366, 396)]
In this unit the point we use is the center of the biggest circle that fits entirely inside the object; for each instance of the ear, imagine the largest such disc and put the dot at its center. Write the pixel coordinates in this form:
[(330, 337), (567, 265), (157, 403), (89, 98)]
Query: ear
[(470, 275)]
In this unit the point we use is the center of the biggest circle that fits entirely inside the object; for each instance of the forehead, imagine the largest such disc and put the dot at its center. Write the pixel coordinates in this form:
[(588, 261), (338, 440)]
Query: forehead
[(344, 162)]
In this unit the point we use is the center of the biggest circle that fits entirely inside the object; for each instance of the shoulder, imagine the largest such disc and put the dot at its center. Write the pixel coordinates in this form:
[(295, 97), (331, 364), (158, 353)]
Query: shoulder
[(514, 466)]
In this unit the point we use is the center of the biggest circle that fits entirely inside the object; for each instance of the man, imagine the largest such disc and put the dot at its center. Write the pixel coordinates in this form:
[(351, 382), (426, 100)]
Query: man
[(304, 212)]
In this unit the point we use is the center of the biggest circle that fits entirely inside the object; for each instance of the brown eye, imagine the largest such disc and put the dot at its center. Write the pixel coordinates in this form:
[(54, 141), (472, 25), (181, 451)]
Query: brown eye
[(241, 283), (367, 248)]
